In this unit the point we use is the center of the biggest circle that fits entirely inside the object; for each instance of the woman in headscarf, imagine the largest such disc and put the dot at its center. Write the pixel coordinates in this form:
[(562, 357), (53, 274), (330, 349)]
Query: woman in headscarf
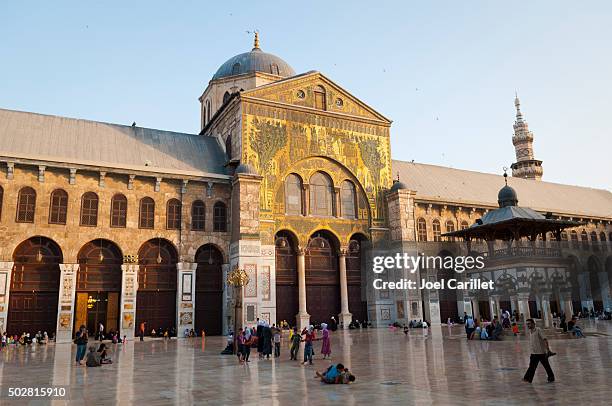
[(248, 341), (326, 346), (267, 340)]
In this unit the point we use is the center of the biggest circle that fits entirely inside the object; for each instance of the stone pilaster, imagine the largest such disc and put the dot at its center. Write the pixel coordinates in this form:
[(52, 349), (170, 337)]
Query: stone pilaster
[(129, 287), (6, 269), (65, 304), (185, 297)]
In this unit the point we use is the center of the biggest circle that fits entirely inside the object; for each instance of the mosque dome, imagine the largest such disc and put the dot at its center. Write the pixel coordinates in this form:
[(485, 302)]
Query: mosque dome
[(246, 169), (507, 197), (254, 61), (397, 185)]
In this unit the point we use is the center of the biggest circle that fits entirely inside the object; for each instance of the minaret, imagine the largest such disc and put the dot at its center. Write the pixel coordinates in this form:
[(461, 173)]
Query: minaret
[(526, 166)]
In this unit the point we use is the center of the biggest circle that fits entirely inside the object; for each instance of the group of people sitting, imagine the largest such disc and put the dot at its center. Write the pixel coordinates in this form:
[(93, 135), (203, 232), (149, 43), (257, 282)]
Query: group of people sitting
[(476, 330), (26, 338), (571, 327), (96, 358), (359, 324)]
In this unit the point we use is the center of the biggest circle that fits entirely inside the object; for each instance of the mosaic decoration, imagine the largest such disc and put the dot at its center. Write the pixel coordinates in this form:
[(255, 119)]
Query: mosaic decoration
[(400, 310), (251, 311), (186, 318), (266, 317), (65, 320), (385, 314), (128, 320), (250, 290), (265, 283)]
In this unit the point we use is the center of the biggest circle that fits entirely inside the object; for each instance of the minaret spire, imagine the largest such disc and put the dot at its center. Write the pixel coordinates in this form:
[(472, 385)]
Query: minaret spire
[(256, 41), (526, 166)]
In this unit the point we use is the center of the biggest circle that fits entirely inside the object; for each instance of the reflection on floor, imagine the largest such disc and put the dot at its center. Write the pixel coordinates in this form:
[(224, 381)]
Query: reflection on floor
[(441, 367)]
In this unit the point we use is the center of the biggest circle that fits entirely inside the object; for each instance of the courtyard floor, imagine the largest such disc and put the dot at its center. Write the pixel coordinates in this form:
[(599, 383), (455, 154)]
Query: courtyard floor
[(439, 368)]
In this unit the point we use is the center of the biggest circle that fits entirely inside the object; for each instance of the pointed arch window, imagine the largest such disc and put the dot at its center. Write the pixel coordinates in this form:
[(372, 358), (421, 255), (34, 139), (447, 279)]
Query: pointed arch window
[(198, 215), (321, 195), (146, 216), (58, 207), (319, 98), (348, 200), (293, 195), (173, 214), (437, 232), (26, 205), (421, 229), (119, 211), (89, 209), (226, 97), (220, 217)]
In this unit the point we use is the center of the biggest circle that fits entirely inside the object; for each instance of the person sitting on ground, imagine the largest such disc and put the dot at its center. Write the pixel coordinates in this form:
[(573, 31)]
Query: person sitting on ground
[(331, 374), (483, 333), (576, 330), (497, 330), (103, 355), (93, 358)]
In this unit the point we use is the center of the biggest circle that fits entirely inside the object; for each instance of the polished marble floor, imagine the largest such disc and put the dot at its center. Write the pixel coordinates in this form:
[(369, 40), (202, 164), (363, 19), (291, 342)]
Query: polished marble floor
[(439, 368)]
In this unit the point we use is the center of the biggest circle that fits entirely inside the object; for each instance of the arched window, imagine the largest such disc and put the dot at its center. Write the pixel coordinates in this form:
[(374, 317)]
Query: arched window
[(464, 225), (198, 215), (118, 210), (26, 205), (450, 228), (58, 207), (594, 241), (435, 225), (348, 197), (422, 229), (236, 68), (173, 214), (1, 199), (319, 96), (226, 97), (220, 217), (146, 216), (89, 209), (602, 238), (585, 239), (293, 195), (321, 195), (207, 112)]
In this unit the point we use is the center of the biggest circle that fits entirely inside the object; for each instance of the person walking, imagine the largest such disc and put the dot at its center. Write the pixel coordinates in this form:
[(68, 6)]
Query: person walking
[(81, 343), (277, 341), (142, 330), (540, 352), (296, 339), (309, 337), (326, 346)]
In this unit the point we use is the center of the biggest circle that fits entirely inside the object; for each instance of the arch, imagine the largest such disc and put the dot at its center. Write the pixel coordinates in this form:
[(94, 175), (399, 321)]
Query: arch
[(89, 209), (594, 241), (447, 297), (26, 205), (119, 210), (98, 286), (437, 230), (464, 225), (319, 98), (173, 214), (321, 195), (594, 268), (220, 217), (355, 269), (294, 195), (58, 207), (157, 281), (226, 97), (209, 290), (450, 227), (287, 293), (34, 290), (198, 215), (574, 238), (348, 200), (585, 239), (603, 240), (146, 213), (421, 229), (322, 277)]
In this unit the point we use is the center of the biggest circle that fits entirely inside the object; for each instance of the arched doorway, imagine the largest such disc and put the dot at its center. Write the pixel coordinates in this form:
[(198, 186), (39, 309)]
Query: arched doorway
[(156, 297), (209, 290), (98, 286), (594, 283), (34, 290), (354, 265), (287, 294), (322, 278), (447, 297)]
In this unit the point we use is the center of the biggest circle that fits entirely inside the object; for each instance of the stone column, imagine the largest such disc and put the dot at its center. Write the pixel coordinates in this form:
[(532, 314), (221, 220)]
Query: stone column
[(65, 308), (6, 270), (498, 306), (546, 314), (475, 309), (492, 307), (513, 304), (303, 318), (345, 316), (127, 311), (185, 297), (523, 304), (568, 306), (467, 306)]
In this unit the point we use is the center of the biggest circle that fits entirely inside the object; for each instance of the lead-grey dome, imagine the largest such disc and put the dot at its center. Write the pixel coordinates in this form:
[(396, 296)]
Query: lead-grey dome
[(254, 61), (507, 197)]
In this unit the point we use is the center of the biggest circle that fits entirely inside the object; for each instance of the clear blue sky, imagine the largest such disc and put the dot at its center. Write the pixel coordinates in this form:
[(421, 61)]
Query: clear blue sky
[(149, 61)]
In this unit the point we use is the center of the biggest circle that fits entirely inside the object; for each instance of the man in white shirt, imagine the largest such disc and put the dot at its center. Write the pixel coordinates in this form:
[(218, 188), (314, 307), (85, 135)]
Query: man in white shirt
[(539, 352)]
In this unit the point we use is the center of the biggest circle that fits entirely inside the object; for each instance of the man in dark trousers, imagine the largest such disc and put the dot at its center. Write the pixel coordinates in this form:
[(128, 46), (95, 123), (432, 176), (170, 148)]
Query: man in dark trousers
[(540, 352)]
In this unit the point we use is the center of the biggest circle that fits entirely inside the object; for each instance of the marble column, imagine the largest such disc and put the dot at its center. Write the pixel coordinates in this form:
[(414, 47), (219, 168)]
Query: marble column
[(492, 307), (513, 304), (498, 306), (65, 304), (185, 297), (467, 306), (6, 270), (303, 318), (127, 311), (345, 316), (568, 306), (523, 304), (546, 314)]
